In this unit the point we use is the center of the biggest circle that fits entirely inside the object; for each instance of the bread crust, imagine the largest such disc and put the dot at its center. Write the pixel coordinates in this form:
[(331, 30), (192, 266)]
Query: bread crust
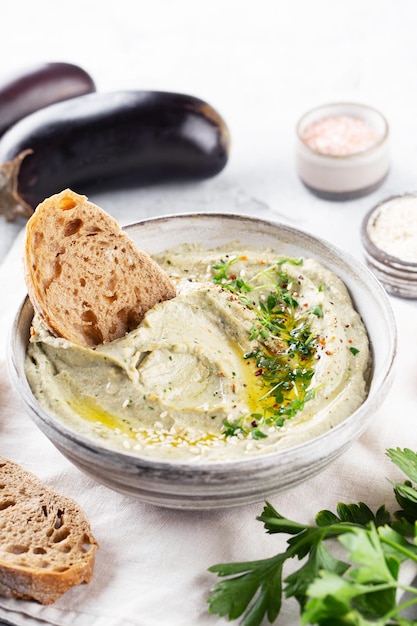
[(85, 277), (46, 544)]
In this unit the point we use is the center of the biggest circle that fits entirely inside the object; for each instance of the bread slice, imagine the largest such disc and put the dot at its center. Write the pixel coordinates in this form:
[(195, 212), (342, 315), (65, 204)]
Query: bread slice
[(85, 277), (46, 545)]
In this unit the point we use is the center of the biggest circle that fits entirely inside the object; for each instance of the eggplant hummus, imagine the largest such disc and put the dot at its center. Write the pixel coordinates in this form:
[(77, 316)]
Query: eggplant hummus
[(257, 352)]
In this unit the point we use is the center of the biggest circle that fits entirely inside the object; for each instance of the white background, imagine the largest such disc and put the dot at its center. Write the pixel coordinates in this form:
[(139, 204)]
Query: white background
[(262, 65)]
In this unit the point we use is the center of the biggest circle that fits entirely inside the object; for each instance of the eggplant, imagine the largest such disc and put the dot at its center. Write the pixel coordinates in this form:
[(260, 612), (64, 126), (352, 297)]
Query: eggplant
[(35, 87), (109, 140)]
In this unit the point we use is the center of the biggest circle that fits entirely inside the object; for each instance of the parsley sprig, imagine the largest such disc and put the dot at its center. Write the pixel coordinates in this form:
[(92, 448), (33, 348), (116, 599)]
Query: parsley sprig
[(363, 589), (286, 368)]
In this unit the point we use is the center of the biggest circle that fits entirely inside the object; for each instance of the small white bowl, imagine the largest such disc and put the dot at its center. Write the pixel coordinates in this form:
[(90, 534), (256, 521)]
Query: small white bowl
[(390, 248), (227, 483), (343, 176)]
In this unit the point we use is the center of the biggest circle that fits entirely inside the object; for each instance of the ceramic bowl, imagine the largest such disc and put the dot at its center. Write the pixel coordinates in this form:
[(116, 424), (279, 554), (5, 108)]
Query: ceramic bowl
[(227, 483)]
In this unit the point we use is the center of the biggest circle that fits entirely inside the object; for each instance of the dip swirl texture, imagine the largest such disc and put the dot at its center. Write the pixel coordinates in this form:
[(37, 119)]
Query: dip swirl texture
[(256, 353)]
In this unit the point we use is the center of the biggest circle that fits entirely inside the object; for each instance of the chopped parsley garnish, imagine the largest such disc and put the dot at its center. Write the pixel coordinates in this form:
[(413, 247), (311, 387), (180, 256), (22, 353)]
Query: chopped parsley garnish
[(286, 345), (317, 311)]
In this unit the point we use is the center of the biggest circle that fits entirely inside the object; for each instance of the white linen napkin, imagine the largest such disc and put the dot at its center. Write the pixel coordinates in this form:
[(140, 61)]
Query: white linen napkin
[(151, 566)]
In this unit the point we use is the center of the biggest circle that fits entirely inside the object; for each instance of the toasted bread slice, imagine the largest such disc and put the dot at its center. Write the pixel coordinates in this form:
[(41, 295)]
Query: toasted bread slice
[(85, 277), (46, 545)]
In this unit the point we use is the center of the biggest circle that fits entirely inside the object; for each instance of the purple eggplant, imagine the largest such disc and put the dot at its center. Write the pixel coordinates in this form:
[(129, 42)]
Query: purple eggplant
[(109, 140), (39, 86)]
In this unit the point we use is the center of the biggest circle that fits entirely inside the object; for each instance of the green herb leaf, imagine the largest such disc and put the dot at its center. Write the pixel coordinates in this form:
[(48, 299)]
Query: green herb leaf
[(357, 514), (406, 496), (233, 596), (320, 559), (366, 550), (406, 460), (274, 522), (363, 589), (285, 345), (317, 311), (330, 602)]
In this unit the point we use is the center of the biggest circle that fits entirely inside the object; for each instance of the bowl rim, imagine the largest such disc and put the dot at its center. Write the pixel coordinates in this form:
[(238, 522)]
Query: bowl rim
[(246, 462)]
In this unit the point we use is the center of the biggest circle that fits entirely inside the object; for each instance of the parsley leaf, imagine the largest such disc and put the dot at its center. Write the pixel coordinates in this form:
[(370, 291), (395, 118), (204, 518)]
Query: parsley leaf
[(232, 597), (363, 589), (406, 460)]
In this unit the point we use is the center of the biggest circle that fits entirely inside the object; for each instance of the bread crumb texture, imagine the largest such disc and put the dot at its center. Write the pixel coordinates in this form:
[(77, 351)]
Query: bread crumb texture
[(46, 545), (85, 277)]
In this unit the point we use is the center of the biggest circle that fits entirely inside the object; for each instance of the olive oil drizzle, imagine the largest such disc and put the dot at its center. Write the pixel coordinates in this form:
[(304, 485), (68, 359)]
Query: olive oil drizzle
[(286, 372), (282, 359)]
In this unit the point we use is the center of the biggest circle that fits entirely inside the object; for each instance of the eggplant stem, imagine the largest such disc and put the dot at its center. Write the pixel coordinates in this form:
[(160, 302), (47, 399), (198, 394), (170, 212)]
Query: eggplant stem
[(12, 205)]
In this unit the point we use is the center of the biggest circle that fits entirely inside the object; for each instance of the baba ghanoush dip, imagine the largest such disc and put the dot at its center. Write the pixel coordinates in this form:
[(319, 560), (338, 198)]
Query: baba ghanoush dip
[(257, 352)]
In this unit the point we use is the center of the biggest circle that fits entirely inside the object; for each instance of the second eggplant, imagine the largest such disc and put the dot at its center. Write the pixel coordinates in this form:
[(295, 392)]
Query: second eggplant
[(38, 86), (109, 140)]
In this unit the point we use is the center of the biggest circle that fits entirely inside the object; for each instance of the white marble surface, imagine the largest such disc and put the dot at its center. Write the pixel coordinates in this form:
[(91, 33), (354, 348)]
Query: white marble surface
[(262, 65)]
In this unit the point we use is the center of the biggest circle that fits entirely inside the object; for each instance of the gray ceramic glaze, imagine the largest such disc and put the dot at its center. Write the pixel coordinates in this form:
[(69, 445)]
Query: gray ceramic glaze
[(225, 484)]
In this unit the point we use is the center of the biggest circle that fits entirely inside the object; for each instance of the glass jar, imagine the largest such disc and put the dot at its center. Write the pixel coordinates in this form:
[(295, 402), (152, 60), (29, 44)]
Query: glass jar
[(351, 159), (389, 238)]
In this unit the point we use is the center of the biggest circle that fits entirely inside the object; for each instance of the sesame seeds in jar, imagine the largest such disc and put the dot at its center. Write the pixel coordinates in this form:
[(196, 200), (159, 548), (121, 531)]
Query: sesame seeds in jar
[(342, 150), (389, 237)]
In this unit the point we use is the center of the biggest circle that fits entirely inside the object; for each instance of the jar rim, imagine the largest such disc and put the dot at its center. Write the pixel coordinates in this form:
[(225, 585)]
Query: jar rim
[(375, 251)]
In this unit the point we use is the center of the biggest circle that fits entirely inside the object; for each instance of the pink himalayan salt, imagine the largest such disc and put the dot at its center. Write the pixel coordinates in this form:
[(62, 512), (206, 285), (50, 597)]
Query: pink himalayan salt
[(340, 135)]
